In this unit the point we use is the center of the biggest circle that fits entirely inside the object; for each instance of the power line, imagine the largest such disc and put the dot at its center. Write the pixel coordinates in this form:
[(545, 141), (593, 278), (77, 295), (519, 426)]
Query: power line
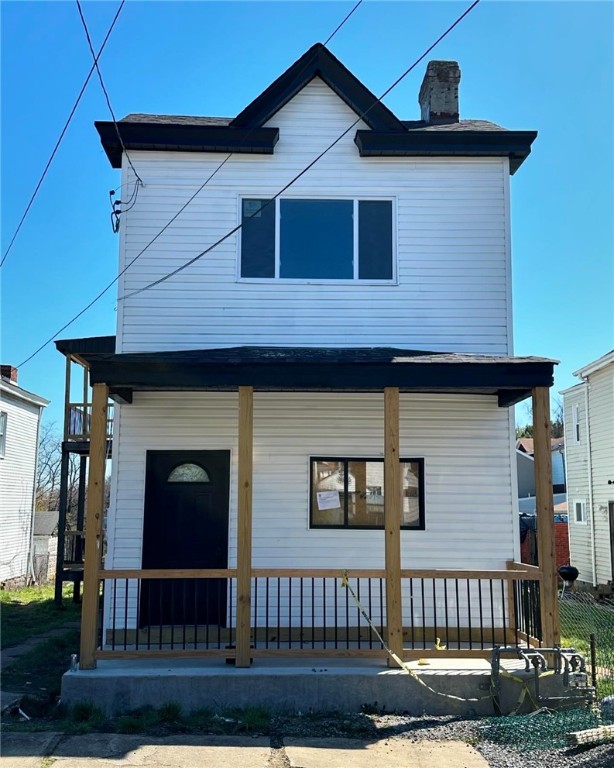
[(64, 129), (307, 168), (338, 27), (179, 212), (104, 90)]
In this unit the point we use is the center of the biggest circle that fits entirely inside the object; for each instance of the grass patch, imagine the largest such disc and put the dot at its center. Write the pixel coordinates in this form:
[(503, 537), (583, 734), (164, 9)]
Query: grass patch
[(29, 611), (581, 616), (85, 717), (38, 673)]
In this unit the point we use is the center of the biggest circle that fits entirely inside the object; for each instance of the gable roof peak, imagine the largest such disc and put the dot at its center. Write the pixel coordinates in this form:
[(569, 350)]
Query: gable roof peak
[(318, 61)]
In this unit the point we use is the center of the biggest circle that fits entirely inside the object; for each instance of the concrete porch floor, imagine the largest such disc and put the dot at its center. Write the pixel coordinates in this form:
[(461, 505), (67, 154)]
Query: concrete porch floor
[(305, 684)]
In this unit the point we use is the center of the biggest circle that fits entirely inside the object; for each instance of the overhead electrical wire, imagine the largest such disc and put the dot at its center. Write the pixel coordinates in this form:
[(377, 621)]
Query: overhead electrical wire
[(237, 228), (63, 132), (104, 90), (167, 225)]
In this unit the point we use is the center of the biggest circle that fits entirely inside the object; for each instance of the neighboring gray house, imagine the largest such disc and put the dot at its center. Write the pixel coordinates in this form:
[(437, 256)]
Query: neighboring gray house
[(589, 432), (526, 472), (20, 415)]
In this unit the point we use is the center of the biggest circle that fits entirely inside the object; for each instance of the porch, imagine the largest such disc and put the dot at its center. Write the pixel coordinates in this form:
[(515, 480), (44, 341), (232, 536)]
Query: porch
[(310, 613), (310, 683)]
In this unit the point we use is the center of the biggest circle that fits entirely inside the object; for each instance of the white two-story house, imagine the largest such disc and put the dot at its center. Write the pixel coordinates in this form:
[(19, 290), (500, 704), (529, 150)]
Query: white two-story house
[(20, 418), (589, 453), (313, 372)]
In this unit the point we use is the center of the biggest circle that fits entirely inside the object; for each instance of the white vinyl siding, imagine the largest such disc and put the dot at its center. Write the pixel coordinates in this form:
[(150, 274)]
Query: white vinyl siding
[(576, 466), (464, 441), (600, 397), (17, 485), (601, 412), (450, 241)]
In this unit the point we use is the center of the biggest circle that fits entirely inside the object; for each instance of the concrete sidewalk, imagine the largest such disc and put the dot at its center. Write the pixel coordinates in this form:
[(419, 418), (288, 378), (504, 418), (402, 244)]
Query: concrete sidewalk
[(36, 750)]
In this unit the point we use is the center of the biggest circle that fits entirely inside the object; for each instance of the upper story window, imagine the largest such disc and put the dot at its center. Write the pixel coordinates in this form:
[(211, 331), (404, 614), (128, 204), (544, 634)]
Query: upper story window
[(316, 239), (575, 416), (3, 419)]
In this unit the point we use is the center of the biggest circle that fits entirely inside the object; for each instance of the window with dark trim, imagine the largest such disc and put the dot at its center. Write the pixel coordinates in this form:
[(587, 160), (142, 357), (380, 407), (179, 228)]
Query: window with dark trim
[(316, 239), (349, 493)]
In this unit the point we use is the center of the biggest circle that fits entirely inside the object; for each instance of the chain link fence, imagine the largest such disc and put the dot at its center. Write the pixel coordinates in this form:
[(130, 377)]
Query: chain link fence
[(587, 624)]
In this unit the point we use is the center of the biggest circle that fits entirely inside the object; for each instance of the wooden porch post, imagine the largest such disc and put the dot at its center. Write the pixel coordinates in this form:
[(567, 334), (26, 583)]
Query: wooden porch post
[(244, 525), (545, 516), (392, 520), (93, 526)]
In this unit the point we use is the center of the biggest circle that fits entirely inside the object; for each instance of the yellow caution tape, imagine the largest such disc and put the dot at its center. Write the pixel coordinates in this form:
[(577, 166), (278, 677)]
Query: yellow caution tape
[(525, 689)]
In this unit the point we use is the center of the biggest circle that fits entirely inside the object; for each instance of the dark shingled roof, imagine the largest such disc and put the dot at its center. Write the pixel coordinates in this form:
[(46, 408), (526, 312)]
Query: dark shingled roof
[(140, 117), (388, 135), (411, 125), (320, 369)]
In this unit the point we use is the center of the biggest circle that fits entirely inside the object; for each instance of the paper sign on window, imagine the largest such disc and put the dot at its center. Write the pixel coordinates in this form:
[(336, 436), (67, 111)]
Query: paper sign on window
[(328, 500)]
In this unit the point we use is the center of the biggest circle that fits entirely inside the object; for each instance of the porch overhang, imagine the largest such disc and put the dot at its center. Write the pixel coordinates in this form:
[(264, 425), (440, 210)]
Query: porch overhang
[(277, 369)]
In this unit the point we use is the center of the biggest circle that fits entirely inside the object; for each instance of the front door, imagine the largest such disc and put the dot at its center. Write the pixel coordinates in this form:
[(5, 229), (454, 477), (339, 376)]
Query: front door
[(185, 526), (611, 520)]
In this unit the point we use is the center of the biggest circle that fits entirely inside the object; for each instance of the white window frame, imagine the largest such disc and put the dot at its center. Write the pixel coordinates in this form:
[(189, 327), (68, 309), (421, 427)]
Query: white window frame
[(575, 420), (3, 425), (355, 280), (582, 504)]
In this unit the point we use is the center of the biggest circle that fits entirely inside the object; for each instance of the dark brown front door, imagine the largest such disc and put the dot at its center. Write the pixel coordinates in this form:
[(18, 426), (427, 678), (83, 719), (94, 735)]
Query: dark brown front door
[(185, 526), (611, 516)]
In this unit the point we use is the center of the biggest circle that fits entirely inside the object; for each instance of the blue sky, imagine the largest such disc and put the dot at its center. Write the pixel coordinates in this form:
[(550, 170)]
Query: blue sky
[(525, 65)]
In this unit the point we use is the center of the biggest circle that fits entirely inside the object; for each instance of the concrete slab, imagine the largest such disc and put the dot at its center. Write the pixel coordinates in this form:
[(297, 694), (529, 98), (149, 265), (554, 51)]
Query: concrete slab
[(464, 690), (25, 750), (341, 753), (111, 750)]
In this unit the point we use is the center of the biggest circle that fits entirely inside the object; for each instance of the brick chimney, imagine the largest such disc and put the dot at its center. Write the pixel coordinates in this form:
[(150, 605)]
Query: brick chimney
[(9, 372), (438, 97)]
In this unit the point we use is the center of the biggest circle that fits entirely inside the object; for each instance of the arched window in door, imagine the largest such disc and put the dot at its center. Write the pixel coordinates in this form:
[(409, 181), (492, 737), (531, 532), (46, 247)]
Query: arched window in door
[(189, 473)]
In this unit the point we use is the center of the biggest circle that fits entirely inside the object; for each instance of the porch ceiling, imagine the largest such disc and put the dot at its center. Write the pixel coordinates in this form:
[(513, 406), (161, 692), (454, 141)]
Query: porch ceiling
[(321, 369)]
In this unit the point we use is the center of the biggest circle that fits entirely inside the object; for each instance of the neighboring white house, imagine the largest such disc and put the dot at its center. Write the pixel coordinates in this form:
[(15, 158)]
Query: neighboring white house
[(589, 449), (385, 267), (20, 415)]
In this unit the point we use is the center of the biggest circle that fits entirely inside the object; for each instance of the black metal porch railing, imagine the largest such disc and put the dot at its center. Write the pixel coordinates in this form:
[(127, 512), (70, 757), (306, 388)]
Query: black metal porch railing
[(527, 608), (169, 614), (80, 421), (302, 611)]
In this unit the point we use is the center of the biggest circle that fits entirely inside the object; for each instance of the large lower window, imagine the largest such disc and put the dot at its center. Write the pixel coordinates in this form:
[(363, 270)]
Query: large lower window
[(349, 493), (316, 239)]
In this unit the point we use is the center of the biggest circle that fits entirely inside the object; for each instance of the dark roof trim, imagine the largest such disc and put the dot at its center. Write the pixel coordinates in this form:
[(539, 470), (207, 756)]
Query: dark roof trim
[(90, 344), (300, 369), (318, 61), (513, 144), (178, 137)]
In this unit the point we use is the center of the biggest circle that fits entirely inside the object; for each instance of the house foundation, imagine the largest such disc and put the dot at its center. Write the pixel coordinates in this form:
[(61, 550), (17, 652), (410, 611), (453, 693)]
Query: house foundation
[(463, 686)]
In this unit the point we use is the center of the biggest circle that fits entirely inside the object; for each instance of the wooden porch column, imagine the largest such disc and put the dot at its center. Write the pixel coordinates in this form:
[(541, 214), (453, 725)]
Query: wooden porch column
[(546, 548), (244, 525), (93, 526), (392, 521)]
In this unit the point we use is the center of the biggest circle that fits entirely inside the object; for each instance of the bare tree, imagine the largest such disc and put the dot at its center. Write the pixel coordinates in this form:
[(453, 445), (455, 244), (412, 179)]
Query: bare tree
[(556, 419), (49, 470)]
